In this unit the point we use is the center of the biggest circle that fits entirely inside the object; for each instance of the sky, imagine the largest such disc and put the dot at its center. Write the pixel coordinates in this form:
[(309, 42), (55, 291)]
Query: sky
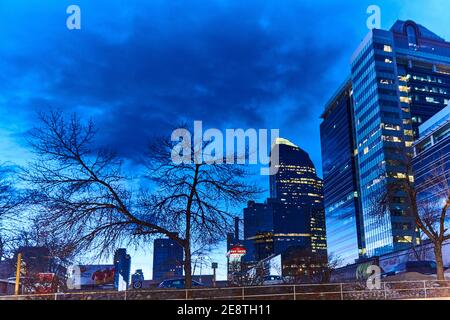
[(139, 68)]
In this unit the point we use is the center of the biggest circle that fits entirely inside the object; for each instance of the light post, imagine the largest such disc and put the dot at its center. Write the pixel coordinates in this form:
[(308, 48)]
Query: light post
[(214, 266)]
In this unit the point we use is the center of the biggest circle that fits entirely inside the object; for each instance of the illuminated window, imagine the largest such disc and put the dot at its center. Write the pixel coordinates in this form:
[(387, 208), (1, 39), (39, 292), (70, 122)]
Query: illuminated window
[(387, 48), (405, 100), (409, 133), (404, 239), (404, 88)]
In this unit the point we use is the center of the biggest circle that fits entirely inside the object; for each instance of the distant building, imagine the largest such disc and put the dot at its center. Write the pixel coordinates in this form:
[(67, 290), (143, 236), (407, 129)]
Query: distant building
[(234, 240), (167, 259), (258, 231), (122, 266), (299, 216), (293, 218), (34, 259), (6, 268)]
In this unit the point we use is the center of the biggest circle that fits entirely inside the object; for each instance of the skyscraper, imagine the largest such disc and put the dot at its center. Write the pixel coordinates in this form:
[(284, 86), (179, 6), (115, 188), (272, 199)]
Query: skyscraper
[(167, 259), (431, 162), (293, 218), (299, 192), (122, 266), (399, 79), (345, 235)]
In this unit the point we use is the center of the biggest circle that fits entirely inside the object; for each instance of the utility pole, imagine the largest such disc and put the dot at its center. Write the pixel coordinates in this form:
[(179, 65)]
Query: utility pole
[(18, 269)]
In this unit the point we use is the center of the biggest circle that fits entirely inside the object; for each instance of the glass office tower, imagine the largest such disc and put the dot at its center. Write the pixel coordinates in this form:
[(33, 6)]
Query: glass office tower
[(400, 78), (345, 235), (432, 160), (299, 192), (293, 218)]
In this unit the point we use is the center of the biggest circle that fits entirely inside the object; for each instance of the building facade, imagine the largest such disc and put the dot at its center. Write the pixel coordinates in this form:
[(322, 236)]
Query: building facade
[(293, 218), (122, 267), (167, 259), (345, 235), (399, 79), (298, 192), (431, 162)]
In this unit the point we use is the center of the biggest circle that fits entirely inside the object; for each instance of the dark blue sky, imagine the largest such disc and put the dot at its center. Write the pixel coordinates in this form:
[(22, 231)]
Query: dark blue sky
[(141, 67)]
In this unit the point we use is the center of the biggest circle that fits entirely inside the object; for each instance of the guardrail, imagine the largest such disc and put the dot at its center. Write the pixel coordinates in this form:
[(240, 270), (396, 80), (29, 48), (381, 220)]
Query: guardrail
[(333, 291)]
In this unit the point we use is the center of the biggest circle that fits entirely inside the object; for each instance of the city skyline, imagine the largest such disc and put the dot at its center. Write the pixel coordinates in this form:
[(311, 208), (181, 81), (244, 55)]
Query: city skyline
[(282, 73)]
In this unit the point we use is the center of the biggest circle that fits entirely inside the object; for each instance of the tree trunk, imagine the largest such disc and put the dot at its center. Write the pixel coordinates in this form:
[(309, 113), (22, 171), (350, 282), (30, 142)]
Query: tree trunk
[(439, 261), (187, 244), (187, 266)]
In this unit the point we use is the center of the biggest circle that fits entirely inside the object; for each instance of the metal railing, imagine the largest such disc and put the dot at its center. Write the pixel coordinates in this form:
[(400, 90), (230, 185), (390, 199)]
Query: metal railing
[(333, 291)]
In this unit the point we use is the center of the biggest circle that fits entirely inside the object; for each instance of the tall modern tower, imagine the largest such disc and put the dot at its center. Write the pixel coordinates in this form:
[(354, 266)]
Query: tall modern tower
[(299, 192), (432, 159), (292, 221), (345, 235), (399, 79)]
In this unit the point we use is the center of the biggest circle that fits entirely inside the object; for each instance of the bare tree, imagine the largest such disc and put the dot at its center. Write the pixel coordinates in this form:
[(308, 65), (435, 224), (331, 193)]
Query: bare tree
[(84, 195), (80, 191), (428, 203), (196, 199), (243, 277), (10, 202), (59, 254)]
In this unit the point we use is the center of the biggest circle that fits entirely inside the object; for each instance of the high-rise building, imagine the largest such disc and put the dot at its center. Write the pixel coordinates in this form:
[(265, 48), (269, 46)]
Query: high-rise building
[(399, 78), (345, 235), (431, 162), (299, 192), (167, 259), (293, 218), (122, 267)]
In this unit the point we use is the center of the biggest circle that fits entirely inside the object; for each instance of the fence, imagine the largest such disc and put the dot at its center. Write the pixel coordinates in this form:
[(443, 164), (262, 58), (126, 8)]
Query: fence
[(334, 291)]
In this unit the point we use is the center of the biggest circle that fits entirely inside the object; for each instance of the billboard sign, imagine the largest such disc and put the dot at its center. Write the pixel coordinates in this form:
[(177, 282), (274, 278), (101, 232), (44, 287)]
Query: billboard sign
[(236, 252), (96, 275)]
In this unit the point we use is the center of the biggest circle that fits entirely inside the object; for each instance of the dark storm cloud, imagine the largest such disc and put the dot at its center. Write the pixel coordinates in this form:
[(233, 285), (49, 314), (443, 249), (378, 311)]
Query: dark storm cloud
[(257, 65)]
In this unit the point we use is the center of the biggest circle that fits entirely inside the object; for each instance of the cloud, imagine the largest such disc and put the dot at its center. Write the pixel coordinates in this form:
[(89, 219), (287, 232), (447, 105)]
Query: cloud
[(141, 69)]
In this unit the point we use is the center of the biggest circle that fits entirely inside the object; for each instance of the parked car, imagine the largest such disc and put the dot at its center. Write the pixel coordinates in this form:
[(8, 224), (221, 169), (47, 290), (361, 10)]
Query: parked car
[(272, 280), (177, 284), (422, 267)]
